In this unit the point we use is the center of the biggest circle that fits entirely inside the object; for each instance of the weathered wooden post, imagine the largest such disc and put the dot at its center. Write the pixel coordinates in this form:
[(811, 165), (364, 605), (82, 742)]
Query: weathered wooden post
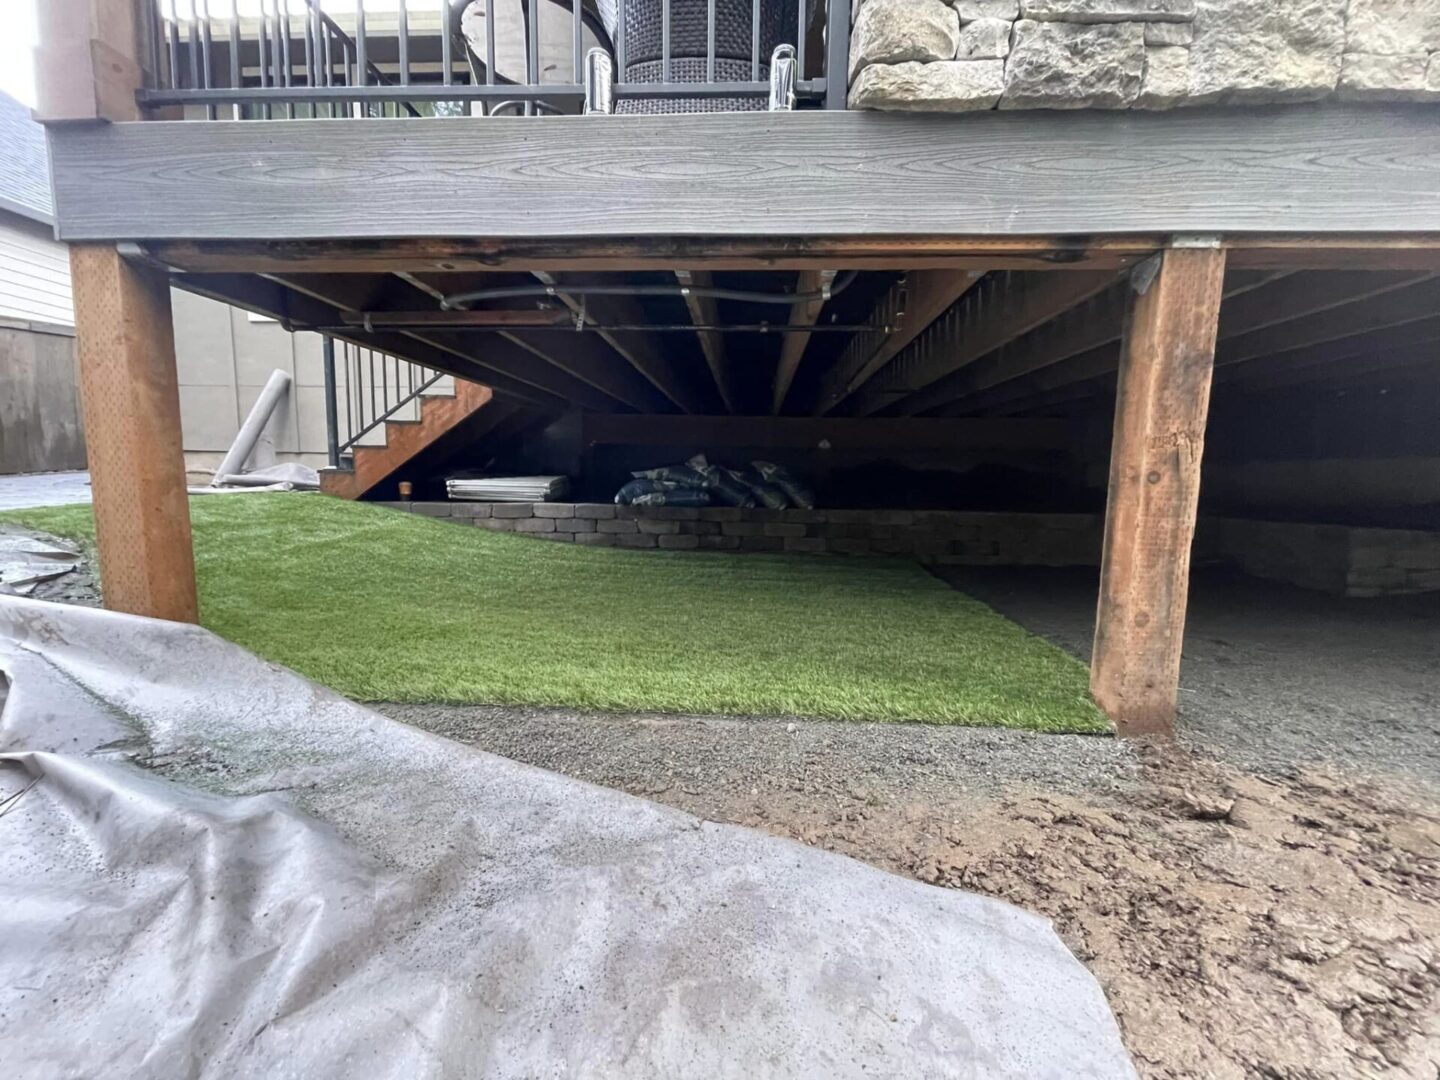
[(91, 61), (1166, 362)]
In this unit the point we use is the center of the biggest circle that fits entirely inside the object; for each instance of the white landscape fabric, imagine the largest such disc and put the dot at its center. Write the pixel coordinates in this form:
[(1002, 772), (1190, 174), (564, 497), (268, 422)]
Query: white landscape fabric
[(210, 867)]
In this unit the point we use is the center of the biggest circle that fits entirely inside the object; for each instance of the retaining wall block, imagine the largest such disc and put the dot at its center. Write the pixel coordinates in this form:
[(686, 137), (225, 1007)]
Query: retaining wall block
[(616, 525)]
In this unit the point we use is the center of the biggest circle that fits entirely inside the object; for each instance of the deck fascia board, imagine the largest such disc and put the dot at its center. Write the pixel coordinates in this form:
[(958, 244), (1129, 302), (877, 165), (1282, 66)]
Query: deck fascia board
[(1325, 169)]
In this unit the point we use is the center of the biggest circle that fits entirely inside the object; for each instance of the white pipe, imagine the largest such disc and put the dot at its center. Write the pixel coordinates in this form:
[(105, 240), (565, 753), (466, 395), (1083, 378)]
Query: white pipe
[(249, 433)]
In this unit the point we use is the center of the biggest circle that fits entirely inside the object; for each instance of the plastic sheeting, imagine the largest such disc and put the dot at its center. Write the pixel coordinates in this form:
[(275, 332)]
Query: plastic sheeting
[(210, 867), (26, 561)]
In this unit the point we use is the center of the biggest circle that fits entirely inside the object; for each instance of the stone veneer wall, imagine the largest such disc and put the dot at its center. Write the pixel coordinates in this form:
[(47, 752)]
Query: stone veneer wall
[(1331, 558), (941, 536), (932, 56)]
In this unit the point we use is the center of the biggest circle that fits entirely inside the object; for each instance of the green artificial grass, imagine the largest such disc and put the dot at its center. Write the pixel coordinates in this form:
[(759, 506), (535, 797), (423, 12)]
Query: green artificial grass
[(387, 606)]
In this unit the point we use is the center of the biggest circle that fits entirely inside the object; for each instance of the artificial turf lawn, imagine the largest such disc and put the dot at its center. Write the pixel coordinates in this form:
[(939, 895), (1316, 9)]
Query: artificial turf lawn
[(387, 606)]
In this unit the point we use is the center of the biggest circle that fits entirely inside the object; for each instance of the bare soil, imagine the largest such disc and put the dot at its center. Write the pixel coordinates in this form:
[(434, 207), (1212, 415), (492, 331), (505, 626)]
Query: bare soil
[(1241, 924)]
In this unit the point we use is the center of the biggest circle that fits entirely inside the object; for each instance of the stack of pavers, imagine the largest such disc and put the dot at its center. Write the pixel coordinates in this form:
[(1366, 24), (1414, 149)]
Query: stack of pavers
[(507, 488)]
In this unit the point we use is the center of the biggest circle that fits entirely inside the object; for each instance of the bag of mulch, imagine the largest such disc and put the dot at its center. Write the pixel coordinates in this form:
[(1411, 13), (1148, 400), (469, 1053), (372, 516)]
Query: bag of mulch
[(766, 494), (798, 494), (680, 496), (726, 487), (683, 475), (636, 488)]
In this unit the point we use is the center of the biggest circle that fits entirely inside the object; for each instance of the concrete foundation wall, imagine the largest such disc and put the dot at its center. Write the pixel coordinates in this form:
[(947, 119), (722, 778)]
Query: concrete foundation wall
[(927, 55), (41, 429), (1357, 562)]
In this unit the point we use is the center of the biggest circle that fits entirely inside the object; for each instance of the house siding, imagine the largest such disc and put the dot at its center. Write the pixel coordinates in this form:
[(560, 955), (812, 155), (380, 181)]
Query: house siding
[(34, 274)]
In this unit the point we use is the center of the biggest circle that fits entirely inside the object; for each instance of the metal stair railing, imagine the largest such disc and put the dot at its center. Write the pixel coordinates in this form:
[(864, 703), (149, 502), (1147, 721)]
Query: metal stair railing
[(376, 387)]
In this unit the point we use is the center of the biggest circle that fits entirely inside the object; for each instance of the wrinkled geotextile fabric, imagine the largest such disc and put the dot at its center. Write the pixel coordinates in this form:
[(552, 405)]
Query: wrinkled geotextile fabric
[(222, 870)]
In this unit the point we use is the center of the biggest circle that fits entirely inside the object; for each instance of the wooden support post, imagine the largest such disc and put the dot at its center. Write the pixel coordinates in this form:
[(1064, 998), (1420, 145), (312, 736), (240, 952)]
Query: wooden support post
[(1167, 358), (125, 342)]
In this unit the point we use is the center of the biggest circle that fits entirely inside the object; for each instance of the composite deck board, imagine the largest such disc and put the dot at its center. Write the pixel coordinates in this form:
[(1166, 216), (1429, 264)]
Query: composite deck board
[(1320, 169)]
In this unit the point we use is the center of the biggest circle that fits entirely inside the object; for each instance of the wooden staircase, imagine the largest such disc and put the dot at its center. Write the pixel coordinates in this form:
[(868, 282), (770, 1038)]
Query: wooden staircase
[(439, 414)]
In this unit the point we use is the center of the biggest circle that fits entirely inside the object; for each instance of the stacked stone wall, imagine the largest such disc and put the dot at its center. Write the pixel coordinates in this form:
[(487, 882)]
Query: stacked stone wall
[(932, 56), (1337, 559)]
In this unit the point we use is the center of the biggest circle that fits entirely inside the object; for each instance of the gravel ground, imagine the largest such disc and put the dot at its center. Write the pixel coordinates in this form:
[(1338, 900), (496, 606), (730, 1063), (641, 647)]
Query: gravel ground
[(1273, 677)]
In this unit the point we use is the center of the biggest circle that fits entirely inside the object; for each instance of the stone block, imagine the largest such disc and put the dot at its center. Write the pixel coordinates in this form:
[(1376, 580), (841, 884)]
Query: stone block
[(679, 541), (970, 10), (1055, 65), (944, 86), (1392, 27), (535, 525), (897, 31), (809, 544), (743, 528), (1109, 11), (806, 517), (720, 513), (595, 510), (471, 510), (619, 526), (511, 510), (1260, 51), (850, 517), (557, 535), (671, 513), (1169, 33), (700, 528), (719, 543), (893, 517), (1376, 77), (761, 543), (596, 539), (762, 513), (402, 506), (498, 524), (1423, 580), (1167, 78), (553, 510), (854, 546), (431, 509), (635, 540), (984, 39), (657, 527), (575, 525), (784, 528)]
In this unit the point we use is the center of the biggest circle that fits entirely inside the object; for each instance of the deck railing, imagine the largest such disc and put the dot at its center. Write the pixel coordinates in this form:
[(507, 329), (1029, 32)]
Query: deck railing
[(363, 389), (283, 59)]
